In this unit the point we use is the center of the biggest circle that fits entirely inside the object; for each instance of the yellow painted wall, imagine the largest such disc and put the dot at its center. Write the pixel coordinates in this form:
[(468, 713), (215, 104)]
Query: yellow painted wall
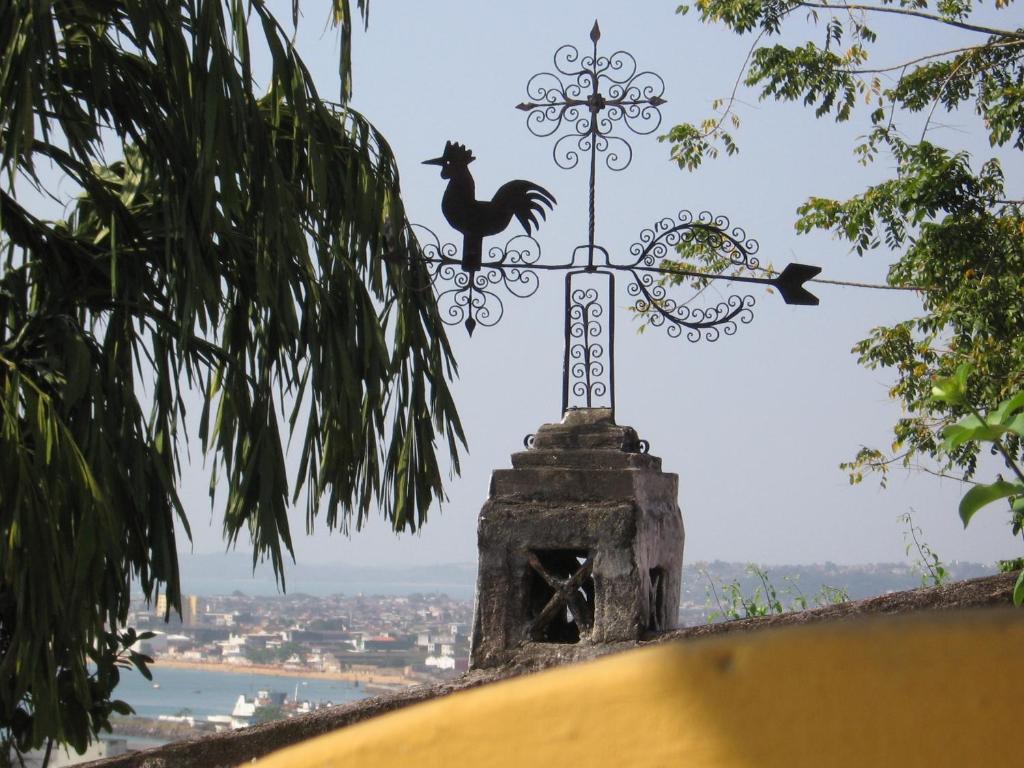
[(942, 690)]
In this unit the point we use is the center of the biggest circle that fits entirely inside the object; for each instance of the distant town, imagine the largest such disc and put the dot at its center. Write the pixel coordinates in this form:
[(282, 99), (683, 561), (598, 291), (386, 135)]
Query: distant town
[(383, 642), (378, 644), (388, 641)]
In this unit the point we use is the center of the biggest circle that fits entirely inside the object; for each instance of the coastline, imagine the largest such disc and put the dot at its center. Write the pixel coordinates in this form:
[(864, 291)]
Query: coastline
[(356, 676)]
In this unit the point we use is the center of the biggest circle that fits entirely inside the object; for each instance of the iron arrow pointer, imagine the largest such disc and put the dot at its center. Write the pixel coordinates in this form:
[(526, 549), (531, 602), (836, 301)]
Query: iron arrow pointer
[(789, 282)]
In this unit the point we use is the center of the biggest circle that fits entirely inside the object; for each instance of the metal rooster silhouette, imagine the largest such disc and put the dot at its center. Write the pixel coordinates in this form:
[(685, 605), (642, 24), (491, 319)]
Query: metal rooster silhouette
[(477, 219)]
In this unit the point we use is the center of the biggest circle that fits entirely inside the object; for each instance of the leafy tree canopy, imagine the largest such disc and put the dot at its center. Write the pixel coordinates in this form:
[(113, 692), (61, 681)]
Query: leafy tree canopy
[(956, 234), (223, 237)]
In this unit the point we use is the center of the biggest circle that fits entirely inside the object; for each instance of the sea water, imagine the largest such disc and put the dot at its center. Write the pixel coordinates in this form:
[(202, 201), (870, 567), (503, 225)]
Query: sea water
[(213, 692)]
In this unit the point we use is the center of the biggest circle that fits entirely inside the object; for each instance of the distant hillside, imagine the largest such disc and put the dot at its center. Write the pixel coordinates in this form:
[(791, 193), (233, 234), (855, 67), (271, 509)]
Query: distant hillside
[(858, 581), (222, 574), (227, 573)]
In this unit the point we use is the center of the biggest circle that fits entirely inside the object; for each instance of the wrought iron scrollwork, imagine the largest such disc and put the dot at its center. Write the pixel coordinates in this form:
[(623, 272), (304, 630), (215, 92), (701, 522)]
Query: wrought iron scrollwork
[(705, 230), (695, 317), (587, 102), (586, 352), (472, 298), (589, 340), (588, 96), (706, 323)]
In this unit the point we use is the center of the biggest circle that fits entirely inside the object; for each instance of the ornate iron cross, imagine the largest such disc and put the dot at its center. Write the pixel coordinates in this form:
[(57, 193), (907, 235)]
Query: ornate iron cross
[(585, 101)]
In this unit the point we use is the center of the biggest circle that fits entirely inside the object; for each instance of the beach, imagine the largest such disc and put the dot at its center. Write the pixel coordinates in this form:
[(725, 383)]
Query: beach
[(372, 677)]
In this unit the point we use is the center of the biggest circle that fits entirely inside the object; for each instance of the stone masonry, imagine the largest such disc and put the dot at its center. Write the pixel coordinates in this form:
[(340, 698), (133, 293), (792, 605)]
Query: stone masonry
[(581, 544)]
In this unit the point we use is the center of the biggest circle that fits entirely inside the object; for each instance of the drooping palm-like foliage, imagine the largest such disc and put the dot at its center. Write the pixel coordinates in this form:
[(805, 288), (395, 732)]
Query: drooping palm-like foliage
[(226, 238)]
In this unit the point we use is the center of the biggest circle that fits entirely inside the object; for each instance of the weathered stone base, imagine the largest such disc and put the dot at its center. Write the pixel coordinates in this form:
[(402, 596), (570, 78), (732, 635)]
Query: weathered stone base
[(581, 543)]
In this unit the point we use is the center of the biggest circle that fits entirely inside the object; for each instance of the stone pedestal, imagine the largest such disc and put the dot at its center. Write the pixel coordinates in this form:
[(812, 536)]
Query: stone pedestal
[(581, 543)]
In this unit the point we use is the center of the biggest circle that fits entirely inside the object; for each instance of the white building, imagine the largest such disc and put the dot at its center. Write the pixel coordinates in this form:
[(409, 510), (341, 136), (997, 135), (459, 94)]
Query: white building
[(232, 649), (440, 662), (241, 716)]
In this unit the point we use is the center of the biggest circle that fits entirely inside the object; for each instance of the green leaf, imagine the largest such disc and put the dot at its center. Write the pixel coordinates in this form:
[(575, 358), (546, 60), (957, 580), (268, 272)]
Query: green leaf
[(121, 707), (1016, 425), (983, 494), (952, 389), (1018, 590), (970, 429), (1006, 410)]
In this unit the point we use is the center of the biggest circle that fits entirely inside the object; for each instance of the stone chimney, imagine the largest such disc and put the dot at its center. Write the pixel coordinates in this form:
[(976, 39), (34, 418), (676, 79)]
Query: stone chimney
[(581, 543)]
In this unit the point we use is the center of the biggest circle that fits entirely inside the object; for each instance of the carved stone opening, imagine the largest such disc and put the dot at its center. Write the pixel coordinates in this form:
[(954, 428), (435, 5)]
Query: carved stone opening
[(657, 620), (569, 537), (560, 594)]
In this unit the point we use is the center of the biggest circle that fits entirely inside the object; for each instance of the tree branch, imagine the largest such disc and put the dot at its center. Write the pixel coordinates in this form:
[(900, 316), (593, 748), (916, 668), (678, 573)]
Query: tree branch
[(920, 14), (875, 286), (735, 87), (942, 89), (944, 475), (936, 55)]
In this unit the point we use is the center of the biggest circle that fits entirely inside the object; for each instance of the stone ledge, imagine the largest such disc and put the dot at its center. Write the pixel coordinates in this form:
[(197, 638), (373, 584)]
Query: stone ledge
[(586, 428), (581, 485), (233, 748), (585, 458)]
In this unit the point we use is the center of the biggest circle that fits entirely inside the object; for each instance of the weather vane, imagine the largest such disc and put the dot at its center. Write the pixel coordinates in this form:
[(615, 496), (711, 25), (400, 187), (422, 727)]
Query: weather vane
[(586, 102)]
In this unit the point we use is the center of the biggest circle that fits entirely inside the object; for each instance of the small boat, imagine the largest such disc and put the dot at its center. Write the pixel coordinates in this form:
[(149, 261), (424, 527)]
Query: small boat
[(156, 685)]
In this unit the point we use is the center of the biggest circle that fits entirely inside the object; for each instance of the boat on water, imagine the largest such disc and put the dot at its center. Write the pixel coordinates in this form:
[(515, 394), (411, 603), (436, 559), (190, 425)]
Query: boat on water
[(265, 705)]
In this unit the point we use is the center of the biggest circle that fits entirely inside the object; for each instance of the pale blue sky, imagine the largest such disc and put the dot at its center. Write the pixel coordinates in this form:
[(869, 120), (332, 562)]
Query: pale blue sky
[(755, 425)]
